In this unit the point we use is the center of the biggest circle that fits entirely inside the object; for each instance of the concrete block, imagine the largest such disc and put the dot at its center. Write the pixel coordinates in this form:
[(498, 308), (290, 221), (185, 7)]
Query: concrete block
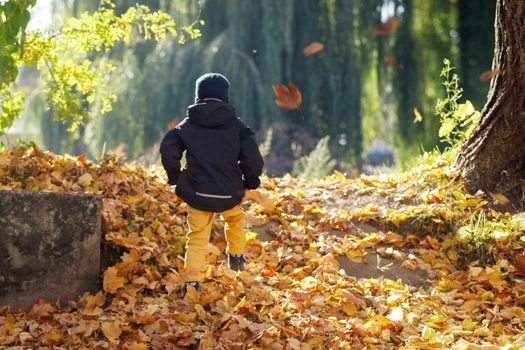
[(49, 246)]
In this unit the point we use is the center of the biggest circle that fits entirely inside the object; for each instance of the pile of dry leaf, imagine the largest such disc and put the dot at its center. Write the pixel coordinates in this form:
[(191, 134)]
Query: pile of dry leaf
[(293, 294)]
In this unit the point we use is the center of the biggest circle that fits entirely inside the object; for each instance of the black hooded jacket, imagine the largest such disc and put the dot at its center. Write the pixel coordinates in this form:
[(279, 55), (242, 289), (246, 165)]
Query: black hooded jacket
[(222, 157)]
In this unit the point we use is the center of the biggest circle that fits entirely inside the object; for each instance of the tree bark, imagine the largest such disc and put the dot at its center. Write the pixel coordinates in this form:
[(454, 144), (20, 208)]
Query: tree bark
[(492, 159)]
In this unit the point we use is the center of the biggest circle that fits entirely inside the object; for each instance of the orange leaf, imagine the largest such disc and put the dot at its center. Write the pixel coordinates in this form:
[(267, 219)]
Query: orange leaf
[(313, 48), (391, 24), (112, 282), (519, 264), (288, 97)]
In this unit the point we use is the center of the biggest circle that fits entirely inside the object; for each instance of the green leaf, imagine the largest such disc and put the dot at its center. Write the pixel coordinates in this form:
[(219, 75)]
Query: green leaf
[(465, 109), (446, 128)]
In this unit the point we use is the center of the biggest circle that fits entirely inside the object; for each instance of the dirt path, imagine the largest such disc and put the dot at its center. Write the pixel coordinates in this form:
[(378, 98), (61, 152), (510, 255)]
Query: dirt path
[(375, 264)]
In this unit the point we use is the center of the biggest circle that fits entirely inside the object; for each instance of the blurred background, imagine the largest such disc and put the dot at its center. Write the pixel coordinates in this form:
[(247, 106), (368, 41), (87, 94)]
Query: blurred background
[(367, 71)]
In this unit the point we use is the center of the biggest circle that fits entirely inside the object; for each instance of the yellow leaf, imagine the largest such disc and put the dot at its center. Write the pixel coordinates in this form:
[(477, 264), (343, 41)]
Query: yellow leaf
[(398, 219), (418, 116), (474, 271), (85, 180), (184, 316), (200, 311), (93, 303), (468, 324), (136, 346), (349, 309), (470, 305), (111, 330), (112, 282)]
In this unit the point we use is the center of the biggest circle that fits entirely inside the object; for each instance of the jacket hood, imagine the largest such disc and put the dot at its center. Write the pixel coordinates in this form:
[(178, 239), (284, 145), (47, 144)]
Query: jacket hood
[(211, 113)]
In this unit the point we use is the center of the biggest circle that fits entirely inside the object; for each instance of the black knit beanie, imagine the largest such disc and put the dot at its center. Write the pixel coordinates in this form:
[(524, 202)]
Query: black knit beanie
[(212, 85)]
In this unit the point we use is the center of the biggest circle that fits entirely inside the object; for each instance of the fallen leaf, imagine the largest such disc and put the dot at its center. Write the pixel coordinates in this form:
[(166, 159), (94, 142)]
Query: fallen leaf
[(519, 264), (85, 180), (112, 282), (42, 309), (111, 330)]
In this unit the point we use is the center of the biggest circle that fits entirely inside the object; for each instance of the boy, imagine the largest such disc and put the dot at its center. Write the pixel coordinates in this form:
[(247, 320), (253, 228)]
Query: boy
[(222, 160)]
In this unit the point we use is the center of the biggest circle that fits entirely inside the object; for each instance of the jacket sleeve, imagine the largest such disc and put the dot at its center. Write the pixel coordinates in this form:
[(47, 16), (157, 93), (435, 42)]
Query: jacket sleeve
[(171, 149), (250, 158)]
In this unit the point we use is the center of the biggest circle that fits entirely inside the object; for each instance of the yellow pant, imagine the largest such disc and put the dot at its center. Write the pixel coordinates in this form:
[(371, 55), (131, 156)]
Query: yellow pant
[(200, 222)]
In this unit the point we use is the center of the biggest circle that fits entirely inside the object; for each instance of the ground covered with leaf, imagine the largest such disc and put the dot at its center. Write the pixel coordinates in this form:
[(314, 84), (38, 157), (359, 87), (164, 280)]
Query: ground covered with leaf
[(294, 293)]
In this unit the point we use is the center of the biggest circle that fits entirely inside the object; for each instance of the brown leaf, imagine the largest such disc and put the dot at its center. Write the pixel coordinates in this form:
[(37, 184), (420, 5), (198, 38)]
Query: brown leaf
[(519, 264), (52, 337), (313, 48), (288, 97), (42, 309), (391, 24)]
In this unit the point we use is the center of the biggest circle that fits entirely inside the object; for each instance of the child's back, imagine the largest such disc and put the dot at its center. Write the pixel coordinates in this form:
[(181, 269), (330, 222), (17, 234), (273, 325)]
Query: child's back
[(222, 160), (220, 151)]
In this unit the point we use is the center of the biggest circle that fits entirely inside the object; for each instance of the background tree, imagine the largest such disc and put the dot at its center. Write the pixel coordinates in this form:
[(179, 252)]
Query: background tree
[(363, 85), (493, 157)]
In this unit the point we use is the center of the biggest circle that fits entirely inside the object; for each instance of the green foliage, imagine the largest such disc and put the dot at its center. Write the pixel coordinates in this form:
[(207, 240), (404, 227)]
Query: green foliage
[(317, 164), (478, 234), (14, 16), (457, 119), (76, 84), (10, 105)]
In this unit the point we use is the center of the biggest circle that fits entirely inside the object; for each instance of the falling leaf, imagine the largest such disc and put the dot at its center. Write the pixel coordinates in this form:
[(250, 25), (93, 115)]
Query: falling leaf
[(489, 74), (392, 61), (112, 282), (391, 24), (173, 123), (519, 264), (313, 48), (418, 116), (288, 97)]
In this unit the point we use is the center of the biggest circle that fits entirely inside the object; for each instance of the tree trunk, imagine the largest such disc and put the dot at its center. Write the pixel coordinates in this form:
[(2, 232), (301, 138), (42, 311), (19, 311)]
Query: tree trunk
[(492, 159)]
